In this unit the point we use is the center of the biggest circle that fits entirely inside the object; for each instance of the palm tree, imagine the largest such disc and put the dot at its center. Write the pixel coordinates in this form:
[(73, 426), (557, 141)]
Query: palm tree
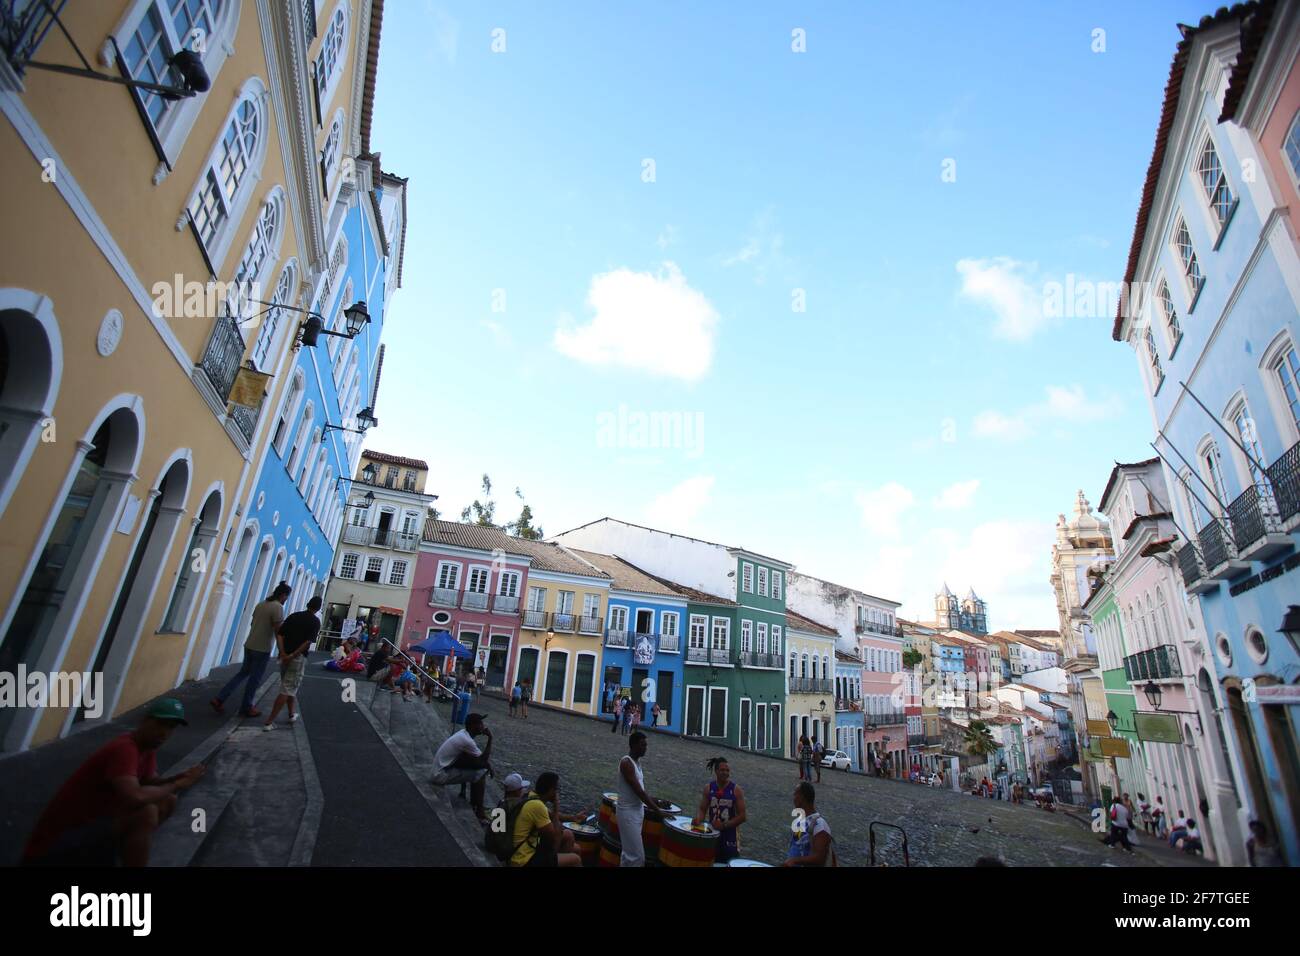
[(979, 739)]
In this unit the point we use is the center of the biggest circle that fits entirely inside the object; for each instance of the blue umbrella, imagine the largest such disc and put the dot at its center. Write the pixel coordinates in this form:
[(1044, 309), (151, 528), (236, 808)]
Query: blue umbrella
[(441, 644)]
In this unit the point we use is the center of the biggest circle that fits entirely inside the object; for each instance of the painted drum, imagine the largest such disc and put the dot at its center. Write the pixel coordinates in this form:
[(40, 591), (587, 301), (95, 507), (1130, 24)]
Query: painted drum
[(611, 852), (684, 845), (608, 821), (652, 830), (586, 841), (738, 861)]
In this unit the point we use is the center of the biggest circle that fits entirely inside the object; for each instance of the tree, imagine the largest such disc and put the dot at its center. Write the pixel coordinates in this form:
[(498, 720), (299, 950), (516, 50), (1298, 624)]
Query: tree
[(912, 657), (522, 527), (979, 739), (482, 513)]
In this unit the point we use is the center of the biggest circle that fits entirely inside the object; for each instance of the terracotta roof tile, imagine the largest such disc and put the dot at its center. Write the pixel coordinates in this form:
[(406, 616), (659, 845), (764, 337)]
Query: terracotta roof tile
[(1253, 30), (624, 576), (800, 623), (388, 459)]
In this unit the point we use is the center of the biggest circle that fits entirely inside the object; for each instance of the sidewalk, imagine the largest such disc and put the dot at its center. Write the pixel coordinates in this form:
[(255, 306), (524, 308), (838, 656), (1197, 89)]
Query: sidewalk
[(1151, 850)]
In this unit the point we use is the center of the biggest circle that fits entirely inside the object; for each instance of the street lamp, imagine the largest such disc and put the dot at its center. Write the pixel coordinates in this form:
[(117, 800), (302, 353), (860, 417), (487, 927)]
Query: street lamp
[(365, 420), (1113, 719), (1152, 692), (1291, 626), (355, 318), (368, 476)]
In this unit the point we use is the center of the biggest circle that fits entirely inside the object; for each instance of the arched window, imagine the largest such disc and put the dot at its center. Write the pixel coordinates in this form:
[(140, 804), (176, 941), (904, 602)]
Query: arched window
[(284, 293), (226, 179), (803, 666), (792, 665), (329, 155), (342, 348), (305, 477), (300, 443), (1170, 316), (1291, 146), (257, 259), (287, 412), (329, 62)]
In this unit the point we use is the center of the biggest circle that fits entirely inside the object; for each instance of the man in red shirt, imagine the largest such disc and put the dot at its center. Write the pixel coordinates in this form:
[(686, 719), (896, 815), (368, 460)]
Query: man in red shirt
[(110, 807)]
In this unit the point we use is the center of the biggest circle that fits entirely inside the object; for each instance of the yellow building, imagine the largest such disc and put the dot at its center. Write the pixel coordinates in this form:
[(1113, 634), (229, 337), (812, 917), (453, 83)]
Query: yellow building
[(562, 628), (139, 225)]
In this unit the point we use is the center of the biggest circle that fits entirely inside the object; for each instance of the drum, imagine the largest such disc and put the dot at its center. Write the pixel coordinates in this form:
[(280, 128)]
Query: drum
[(685, 845), (740, 861), (611, 852), (652, 830), (586, 841), (608, 821)]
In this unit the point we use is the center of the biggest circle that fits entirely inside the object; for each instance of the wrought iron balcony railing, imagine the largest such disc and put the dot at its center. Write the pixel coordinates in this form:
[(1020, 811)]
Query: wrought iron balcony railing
[(474, 600), (505, 603), (1284, 478), (1190, 566), (589, 625), (245, 419), (670, 643), (1215, 545), (616, 638), (443, 597), (358, 534), (24, 24), (1158, 663), (405, 541), (535, 620), (697, 655), (222, 355), (564, 621)]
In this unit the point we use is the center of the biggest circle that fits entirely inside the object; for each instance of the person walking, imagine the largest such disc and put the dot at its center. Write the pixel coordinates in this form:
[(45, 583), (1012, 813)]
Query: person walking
[(294, 641), (627, 714), (723, 805), (1120, 821), (1159, 818), (516, 693), (267, 618), (819, 751), (636, 717), (804, 756), (810, 839), (525, 695), (633, 802), (618, 715), (655, 715)]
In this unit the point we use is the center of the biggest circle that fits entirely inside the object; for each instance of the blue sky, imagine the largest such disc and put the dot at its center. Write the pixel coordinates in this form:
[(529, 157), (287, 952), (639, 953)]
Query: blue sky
[(920, 418)]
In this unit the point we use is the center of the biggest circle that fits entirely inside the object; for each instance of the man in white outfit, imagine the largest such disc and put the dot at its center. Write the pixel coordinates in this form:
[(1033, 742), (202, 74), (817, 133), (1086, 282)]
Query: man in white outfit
[(633, 802)]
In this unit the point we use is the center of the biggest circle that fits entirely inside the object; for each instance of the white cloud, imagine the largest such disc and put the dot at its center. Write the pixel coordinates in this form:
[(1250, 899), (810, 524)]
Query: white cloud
[(1068, 404), (1004, 285), (958, 496), (881, 508), (656, 323), (679, 506)]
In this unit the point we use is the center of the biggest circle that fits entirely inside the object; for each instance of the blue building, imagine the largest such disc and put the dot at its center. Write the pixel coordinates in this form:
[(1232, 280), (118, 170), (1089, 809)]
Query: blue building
[(294, 513), (1210, 307), (642, 654), (848, 707)]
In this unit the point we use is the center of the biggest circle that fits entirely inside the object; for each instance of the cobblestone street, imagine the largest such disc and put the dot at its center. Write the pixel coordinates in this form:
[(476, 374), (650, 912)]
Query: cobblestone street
[(943, 828)]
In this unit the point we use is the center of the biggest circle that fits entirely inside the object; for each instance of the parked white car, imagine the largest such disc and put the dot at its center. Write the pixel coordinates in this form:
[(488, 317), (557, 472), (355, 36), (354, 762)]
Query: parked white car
[(837, 760)]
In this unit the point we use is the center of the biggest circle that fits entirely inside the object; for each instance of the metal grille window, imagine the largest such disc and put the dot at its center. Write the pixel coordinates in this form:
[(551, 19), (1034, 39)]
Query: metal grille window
[(1187, 256), (397, 573), (211, 204), (1215, 183), (1171, 315), (271, 321), (165, 29), (1287, 370), (348, 569)]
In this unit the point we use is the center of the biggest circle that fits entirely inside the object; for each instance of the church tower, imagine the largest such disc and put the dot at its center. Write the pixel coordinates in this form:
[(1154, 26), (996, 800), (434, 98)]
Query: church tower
[(974, 614), (947, 612)]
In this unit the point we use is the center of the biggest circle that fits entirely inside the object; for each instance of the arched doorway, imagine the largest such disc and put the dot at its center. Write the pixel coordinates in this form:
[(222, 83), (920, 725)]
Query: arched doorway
[(258, 587), (140, 582), (44, 616), (31, 361)]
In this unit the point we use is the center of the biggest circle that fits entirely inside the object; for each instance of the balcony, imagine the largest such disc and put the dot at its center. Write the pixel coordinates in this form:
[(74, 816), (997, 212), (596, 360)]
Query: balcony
[(1257, 530), (887, 718), (701, 655), (505, 604), (357, 534), (760, 659), (873, 627), (670, 644), (848, 704), (1192, 568), (1158, 663), (405, 541), (564, 621), (443, 597), (1284, 477), (245, 419), (616, 638), (535, 620), (24, 25), (1219, 551), (222, 355), (474, 600)]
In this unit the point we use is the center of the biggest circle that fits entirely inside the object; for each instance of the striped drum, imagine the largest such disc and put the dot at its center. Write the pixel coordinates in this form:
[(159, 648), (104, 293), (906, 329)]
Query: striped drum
[(586, 841), (611, 852), (608, 820), (685, 845), (652, 830)]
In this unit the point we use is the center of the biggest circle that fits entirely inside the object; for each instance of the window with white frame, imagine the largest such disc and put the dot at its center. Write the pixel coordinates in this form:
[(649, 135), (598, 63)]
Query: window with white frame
[(761, 633), (590, 605), (536, 599), (1212, 472), (228, 174), (1170, 315), (1286, 372), (287, 412), (617, 617), (1215, 183), (1291, 147), (448, 576), (329, 154), (699, 630), (776, 638), (669, 622), (348, 566), (793, 664), (508, 584), (1187, 257), (721, 634), (1249, 438), (478, 580), (374, 570), (747, 577), (776, 584), (746, 637), (397, 573), (564, 602), (271, 321), (762, 581), (1153, 357), (329, 63), (803, 666), (256, 258)]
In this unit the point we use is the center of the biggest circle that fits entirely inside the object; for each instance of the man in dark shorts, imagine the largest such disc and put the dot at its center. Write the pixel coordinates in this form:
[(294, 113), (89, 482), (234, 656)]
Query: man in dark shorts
[(267, 618), (294, 640), (110, 807)]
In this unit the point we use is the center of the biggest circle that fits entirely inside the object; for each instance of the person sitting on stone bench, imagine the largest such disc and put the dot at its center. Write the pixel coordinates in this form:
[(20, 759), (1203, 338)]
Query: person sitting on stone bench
[(459, 760)]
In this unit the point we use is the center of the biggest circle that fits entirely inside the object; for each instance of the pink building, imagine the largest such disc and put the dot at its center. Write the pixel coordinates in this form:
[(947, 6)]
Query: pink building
[(469, 580), (884, 699)]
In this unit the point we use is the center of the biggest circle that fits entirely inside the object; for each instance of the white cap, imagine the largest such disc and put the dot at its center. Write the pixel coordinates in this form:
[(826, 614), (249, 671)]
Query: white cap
[(515, 782)]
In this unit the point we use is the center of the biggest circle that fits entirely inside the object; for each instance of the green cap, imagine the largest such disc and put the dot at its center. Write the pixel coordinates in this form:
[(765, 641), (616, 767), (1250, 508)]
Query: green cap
[(168, 708)]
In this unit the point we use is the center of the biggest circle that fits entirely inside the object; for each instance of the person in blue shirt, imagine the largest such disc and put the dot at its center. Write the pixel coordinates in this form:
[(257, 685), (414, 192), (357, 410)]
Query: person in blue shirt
[(723, 805)]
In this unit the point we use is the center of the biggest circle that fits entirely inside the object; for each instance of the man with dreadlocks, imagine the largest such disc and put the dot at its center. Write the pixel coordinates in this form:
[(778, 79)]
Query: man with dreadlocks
[(723, 805)]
